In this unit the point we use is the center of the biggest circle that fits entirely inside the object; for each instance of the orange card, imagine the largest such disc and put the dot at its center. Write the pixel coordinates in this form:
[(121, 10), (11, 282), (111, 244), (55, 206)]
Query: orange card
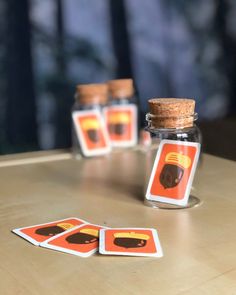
[(81, 240), (91, 132), (173, 171), (121, 124), (38, 233), (130, 241)]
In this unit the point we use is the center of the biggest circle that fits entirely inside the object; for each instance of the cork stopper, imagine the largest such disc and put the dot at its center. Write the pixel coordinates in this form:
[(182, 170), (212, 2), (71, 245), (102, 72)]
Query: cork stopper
[(121, 88), (171, 112), (91, 94)]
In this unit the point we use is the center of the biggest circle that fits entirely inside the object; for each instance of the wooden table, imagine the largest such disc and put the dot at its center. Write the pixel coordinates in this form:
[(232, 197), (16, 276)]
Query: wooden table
[(199, 244)]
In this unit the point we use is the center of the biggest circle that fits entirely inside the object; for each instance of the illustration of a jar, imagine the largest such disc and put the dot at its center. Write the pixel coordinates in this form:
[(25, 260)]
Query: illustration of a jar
[(173, 170)]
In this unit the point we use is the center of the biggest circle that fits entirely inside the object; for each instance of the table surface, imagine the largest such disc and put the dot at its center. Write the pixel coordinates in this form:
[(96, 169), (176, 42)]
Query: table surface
[(199, 244)]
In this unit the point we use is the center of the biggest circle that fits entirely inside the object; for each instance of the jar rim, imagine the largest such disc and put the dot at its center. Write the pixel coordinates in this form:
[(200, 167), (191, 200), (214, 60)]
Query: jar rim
[(149, 116), (182, 122)]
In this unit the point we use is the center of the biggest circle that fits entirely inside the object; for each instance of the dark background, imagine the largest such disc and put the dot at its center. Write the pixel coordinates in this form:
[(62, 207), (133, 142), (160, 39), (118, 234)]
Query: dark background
[(170, 48)]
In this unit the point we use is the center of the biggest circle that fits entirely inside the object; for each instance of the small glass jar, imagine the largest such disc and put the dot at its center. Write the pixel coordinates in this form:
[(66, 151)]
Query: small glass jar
[(121, 92), (171, 119), (87, 97), (122, 113)]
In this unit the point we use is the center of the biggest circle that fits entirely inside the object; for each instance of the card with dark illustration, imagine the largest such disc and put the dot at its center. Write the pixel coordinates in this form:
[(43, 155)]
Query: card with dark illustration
[(81, 240), (130, 241), (121, 122), (173, 171), (39, 233), (91, 132)]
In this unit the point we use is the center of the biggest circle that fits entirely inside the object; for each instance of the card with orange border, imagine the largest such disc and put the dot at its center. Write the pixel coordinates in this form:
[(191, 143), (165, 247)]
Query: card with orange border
[(81, 240), (36, 234), (130, 242), (173, 172), (121, 122), (91, 132)]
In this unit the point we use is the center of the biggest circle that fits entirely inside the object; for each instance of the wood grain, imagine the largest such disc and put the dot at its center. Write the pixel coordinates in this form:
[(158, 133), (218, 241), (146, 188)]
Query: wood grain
[(199, 243)]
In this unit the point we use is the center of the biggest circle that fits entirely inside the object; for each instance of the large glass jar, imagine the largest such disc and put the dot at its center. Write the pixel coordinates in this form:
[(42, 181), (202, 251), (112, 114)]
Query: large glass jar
[(88, 97), (174, 120)]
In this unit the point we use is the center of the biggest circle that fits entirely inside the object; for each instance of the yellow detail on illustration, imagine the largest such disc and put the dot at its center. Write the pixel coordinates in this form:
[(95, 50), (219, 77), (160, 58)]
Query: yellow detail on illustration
[(178, 159), (65, 226), (132, 235), (122, 118), (90, 231), (90, 124)]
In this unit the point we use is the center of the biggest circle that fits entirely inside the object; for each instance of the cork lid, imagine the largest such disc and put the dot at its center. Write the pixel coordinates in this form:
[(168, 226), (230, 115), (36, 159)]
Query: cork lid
[(92, 93), (172, 112), (121, 88)]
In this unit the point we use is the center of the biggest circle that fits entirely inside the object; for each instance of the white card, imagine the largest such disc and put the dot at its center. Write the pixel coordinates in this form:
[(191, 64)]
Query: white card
[(130, 242), (80, 241), (36, 234)]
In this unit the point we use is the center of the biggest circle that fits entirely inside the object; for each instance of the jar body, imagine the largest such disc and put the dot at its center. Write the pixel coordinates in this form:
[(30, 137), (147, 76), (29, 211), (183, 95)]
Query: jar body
[(190, 134)]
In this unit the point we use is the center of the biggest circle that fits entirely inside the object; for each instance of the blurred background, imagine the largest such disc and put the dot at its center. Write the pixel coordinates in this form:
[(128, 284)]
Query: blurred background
[(170, 48)]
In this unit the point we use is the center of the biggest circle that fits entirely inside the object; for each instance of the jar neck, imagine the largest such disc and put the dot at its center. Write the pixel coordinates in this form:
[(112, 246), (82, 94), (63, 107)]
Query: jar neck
[(92, 106), (121, 101), (170, 123), (88, 99)]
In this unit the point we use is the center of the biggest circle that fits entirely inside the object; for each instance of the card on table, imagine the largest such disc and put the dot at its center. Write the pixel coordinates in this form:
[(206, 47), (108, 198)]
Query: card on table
[(91, 132), (36, 234), (130, 242), (173, 171), (81, 241)]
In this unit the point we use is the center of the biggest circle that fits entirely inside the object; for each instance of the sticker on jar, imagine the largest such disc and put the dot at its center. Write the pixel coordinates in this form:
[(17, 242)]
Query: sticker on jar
[(121, 123), (91, 132), (173, 172)]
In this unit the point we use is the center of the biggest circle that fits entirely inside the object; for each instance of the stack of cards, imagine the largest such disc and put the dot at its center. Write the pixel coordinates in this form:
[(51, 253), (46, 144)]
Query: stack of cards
[(81, 238)]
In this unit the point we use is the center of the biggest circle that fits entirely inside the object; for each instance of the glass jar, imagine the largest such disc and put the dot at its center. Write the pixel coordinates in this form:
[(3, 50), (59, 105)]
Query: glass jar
[(174, 120), (88, 97), (121, 92), (121, 115)]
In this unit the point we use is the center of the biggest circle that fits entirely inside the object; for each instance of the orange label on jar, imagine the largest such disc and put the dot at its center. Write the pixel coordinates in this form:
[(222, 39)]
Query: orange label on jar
[(91, 132), (121, 123), (173, 172)]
